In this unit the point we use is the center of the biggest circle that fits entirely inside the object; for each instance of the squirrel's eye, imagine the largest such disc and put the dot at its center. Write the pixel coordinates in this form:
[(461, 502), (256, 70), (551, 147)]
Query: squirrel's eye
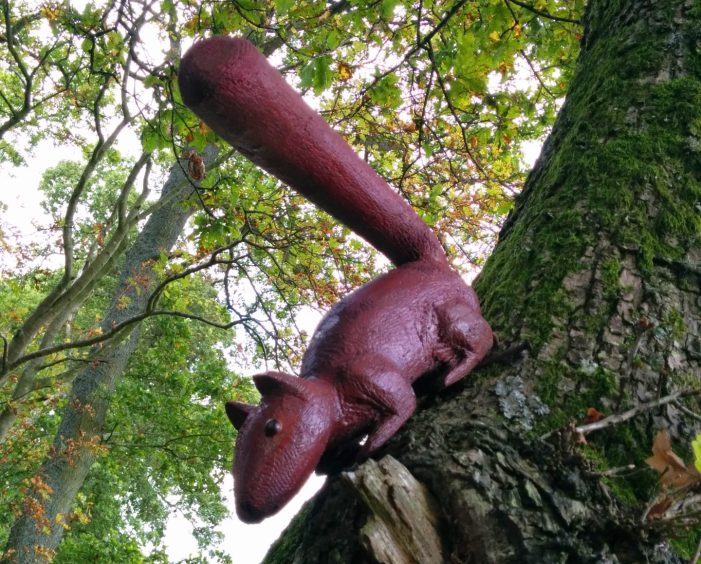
[(272, 427)]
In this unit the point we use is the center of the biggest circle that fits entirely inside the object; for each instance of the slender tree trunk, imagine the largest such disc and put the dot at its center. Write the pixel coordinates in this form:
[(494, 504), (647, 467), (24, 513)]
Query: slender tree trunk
[(597, 271), (27, 379), (38, 531)]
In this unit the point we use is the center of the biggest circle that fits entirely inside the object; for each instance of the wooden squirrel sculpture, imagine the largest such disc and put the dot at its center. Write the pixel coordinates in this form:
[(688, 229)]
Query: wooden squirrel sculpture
[(356, 376)]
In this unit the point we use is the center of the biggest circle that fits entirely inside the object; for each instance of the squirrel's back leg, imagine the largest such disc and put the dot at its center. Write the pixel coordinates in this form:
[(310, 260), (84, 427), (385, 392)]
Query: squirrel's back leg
[(465, 332)]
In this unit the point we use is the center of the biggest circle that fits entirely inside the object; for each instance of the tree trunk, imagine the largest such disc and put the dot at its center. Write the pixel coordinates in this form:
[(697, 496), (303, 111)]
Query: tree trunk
[(597, 271), (27, 379), (38, 531)]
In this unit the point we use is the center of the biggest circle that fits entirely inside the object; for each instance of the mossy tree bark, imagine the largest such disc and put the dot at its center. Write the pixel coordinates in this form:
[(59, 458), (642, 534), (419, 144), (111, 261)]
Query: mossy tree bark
[(597, 270)]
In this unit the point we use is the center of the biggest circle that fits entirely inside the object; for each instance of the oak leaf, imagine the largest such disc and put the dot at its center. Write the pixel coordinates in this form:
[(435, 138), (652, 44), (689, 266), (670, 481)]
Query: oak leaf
[(673, 472)]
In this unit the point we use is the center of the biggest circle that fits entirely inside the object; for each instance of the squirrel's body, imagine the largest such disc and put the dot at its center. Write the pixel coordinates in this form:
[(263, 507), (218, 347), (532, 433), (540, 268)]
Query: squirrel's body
[(398, 315), (357, 374), (412, 321)]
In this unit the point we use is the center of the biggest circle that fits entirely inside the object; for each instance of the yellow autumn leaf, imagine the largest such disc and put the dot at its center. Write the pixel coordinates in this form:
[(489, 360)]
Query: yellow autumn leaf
[(50, 11), (94, 332), (696, 446), (344, 72), (494, 36)]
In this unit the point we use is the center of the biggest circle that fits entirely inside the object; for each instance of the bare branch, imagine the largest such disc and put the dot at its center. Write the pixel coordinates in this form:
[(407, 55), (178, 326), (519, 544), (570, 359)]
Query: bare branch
[(618, 418), (690, 413), (116, 330)]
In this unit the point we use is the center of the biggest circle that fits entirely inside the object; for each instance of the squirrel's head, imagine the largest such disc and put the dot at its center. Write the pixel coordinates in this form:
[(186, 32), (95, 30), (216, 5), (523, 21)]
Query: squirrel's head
[(280, 441)]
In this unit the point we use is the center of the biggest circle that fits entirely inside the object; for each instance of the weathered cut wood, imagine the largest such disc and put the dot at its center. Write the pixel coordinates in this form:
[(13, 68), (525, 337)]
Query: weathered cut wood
[(404, 518)]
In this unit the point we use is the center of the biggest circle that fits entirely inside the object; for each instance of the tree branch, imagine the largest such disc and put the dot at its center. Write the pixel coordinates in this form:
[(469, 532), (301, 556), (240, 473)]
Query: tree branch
[(618, 418), (118, 328), (149, 312), (543, 13), (65, 295), (16, 115), (536, 74), (423, 42)]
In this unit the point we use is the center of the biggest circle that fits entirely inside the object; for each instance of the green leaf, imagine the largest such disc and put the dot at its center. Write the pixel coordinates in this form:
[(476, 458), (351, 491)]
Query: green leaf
[(150, 140), (306, 75), (317, 74), (387, 8), (386, 92), (283, 6), (333, 39), (322, 74)]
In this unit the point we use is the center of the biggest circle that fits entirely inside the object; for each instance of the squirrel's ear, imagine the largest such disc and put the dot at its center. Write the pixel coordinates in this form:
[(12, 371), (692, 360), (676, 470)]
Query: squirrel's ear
[(237, 412), (279, 383)]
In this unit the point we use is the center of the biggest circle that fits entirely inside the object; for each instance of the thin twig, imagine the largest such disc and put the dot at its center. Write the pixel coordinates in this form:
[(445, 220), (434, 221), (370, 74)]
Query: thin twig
[(536, 74), (419, 45), (628, 468), (637, 410), (545, 14), (618, 418), (690, 413)]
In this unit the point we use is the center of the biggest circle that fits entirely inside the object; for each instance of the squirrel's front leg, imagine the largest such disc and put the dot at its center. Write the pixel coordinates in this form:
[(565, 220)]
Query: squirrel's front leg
[(387, 394)]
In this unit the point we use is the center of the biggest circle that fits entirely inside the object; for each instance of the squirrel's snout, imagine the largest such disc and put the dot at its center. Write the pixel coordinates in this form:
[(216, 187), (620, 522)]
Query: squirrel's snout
[(249, 513)]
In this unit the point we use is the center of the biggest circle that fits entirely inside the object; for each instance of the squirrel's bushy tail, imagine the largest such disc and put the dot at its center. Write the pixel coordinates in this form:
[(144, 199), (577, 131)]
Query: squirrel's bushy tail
[(230, 85)]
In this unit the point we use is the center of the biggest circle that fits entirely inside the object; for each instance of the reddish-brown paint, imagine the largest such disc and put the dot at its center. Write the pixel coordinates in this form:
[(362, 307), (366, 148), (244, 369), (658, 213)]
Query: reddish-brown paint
[(357, 374)]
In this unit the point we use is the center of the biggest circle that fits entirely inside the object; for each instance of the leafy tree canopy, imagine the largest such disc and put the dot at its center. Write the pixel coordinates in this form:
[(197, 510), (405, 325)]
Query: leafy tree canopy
[(440, 97)]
